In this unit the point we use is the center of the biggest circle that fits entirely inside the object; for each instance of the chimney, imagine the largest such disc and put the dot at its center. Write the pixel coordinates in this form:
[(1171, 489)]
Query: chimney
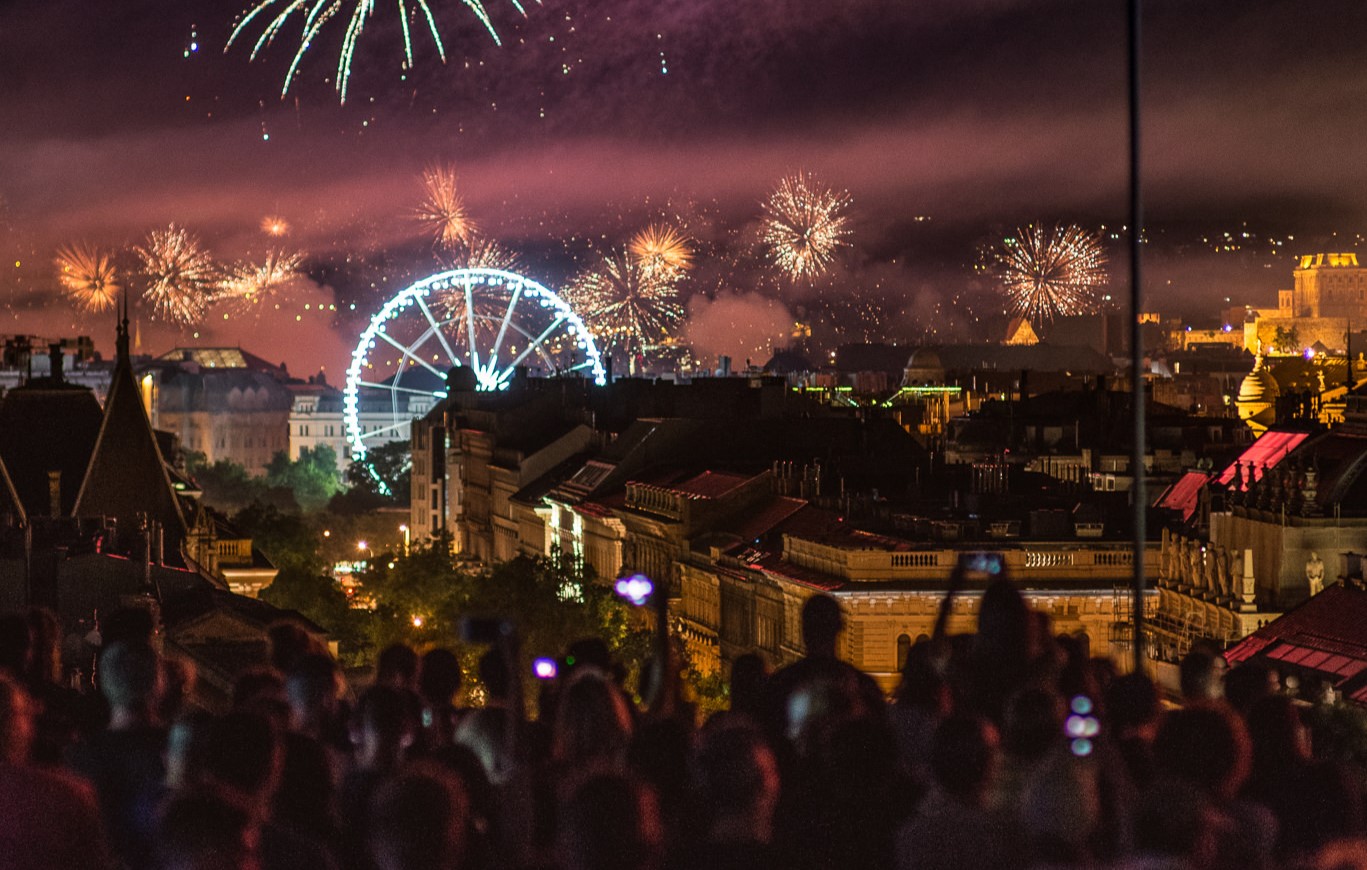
[(54, 356)]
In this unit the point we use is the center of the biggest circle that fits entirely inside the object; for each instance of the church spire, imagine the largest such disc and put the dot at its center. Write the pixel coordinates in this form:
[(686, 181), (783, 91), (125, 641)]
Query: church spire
[(121, 339)]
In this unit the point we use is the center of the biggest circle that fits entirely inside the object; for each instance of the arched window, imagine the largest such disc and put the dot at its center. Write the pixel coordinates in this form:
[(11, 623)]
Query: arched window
[(903, 650), (1085, 641)]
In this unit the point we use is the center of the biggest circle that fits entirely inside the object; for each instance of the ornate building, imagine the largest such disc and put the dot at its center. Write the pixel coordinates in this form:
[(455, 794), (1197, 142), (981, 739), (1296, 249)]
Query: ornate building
[(1272, 529)]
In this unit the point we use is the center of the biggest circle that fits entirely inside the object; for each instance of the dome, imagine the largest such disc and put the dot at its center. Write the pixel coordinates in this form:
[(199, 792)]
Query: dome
[(1258, 397), (924, 358), (1258, 386)]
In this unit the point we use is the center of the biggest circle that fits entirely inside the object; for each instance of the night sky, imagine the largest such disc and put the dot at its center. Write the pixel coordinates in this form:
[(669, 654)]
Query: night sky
[(948, 121)]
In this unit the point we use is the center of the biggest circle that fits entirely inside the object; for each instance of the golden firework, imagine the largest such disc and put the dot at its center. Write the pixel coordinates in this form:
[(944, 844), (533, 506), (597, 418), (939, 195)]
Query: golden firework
[(661, 248), (627, 306), (180, 275), (87, 275), (442, 210), (248, 284)]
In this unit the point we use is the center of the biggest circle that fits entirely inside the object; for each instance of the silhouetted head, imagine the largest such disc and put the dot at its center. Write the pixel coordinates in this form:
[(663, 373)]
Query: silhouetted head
[(822, 623), (420, 820), (733, 771), (397, 667), (749, 676), (289, 641), (242, 751), (205, 830), (312, 688), (1006, 625), (610, 822), (384, 725), (964, 756), (1279, 737), (1205, 745), (493, 673), (1248, 683), (130, 677), (1132, 704), (593, 723), (1033, 723), (132, 625), (1202, 675), (439, 677)]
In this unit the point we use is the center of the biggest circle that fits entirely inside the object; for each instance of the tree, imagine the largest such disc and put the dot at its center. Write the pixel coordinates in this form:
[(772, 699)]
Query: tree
[(421, 599), (312, 477), (1286, 340), (384, 472), (227, 485)]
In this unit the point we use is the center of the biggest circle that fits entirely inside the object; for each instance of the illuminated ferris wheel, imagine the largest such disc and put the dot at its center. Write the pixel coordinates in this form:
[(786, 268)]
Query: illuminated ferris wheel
[(487, 320)]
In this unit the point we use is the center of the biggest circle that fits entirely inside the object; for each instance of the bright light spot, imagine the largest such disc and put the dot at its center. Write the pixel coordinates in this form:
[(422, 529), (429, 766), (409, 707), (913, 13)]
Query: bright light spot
[(362, 546), (417, 621), (636, 588)]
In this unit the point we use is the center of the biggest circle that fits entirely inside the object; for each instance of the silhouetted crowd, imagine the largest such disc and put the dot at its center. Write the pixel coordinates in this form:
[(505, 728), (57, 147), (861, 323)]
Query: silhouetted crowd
[(1010, 747)]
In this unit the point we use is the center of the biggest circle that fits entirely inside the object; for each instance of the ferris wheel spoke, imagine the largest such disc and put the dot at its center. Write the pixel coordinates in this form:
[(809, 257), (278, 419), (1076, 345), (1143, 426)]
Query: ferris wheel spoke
[(503, 327), (427, 312), (408, 354), (534, 345), (470, 324), (424, 393)]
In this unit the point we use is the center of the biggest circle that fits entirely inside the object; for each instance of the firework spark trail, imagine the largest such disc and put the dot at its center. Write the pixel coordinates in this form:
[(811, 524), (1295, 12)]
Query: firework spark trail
[(87, 275), (480, 253), (627, 307), (661, 250), (803, 225), (442, 210), (315, 14), (181, 276), (1051, 272), (249, 284)]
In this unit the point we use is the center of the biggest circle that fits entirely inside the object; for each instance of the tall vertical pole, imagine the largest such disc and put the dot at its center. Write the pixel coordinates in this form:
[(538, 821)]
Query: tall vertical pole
[(1136, 219)]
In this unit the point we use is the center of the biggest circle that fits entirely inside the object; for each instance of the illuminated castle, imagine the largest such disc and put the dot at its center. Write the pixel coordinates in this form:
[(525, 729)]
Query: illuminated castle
[(1327, 299), (1326, 285)]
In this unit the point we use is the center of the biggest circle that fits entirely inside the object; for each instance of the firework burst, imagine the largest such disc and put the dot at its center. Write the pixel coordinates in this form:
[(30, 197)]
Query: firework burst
[(442, 210), (803, 225), (482, 253), (627, 307), (249, 284), (661, 250), (479, 253), (87, 275), (317, 13), (273, 225), (1051, 272), (181, 276)]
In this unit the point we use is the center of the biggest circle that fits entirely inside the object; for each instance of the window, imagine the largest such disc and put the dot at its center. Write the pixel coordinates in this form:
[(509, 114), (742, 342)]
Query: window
[(903, 651)]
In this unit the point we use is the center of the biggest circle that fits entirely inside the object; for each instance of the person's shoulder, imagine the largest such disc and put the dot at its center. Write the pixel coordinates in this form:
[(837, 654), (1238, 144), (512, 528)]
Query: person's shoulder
[(52, 789)]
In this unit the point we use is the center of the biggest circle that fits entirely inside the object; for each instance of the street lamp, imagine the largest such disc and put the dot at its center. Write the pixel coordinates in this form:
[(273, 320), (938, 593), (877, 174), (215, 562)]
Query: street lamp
[(403, 527)]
